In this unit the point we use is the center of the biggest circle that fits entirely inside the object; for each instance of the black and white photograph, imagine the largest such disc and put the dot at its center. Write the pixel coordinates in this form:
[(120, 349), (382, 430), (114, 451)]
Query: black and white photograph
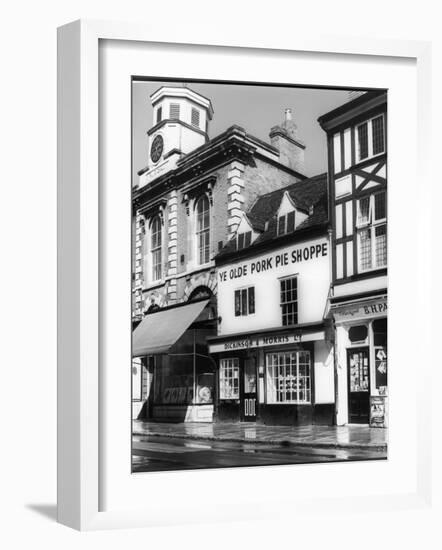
[(259, 275)]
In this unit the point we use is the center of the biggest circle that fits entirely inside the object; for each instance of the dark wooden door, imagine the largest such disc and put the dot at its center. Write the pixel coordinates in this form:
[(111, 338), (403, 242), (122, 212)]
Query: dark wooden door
[(358, 385), (248, 397)]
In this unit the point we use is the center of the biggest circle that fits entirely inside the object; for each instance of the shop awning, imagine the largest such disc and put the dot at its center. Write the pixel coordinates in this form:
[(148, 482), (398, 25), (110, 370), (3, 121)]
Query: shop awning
[(158, 331)]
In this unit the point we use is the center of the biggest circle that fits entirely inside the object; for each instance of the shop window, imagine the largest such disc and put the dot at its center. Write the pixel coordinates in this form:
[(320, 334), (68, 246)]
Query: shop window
[(288, 377), (229, 378), (245, 301), (358, 333), (289, 301), (359, 373), (286, 223), (184, 377), (244, 240), (137, 379), (380, 353), (372, 231), (203, 230), (155, 248), (371, 138)]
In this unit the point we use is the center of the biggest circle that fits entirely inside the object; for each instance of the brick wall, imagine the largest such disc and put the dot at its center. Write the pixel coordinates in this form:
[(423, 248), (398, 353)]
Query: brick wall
[(262, 179)]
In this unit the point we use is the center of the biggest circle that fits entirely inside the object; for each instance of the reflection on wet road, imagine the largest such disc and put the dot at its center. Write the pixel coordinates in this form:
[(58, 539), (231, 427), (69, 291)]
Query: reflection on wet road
[(156, 453)]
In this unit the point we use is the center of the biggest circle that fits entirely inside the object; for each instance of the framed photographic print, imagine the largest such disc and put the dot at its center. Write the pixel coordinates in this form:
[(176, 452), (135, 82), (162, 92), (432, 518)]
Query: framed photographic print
[(223, 263)]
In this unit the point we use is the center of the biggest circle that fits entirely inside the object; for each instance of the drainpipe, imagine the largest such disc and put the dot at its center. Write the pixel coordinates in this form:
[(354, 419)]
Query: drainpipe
[(194, 372)]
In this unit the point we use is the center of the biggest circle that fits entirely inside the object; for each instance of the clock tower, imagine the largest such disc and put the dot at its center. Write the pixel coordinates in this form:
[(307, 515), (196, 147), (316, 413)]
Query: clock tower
[(180, 124)]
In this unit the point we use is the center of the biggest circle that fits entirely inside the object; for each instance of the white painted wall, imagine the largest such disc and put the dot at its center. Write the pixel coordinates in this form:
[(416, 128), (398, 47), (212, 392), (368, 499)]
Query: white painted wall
[(313, 284), (341, 344), (324, 373)]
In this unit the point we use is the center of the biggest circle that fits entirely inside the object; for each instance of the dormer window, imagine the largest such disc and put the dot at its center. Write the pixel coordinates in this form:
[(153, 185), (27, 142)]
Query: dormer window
[(174, 110), (159, 114), (286, 223), (195, 117), (244, 240)]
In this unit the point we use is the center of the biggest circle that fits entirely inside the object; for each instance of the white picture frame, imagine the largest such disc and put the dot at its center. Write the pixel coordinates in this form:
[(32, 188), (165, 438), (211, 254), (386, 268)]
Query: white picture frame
[(81, 296)]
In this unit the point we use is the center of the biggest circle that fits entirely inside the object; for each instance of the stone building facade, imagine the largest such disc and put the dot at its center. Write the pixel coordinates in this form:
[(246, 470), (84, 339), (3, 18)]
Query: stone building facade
[(189, 199)]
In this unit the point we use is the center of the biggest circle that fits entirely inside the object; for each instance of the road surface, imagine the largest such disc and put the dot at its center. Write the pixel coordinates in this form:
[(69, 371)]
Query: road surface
[(156, 453)]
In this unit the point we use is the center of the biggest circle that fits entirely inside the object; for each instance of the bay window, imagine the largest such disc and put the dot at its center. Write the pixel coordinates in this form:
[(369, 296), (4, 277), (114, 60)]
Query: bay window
[(288, 377)]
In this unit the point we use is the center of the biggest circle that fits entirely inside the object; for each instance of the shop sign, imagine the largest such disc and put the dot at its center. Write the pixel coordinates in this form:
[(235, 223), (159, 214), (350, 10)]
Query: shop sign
[(360, 311), (296, 255), (256, 342)]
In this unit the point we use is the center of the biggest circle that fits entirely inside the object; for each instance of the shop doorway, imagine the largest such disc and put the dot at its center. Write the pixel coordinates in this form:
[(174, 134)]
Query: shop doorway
[(358, 385), (248, 397)]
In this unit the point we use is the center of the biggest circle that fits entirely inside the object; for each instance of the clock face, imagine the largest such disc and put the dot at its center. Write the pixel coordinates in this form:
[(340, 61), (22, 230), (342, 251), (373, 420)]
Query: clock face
[(156, 148)]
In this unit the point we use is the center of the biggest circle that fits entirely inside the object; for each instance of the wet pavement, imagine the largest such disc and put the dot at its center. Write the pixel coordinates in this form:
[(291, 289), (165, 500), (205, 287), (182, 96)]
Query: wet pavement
[(163, 453), (320, 437)]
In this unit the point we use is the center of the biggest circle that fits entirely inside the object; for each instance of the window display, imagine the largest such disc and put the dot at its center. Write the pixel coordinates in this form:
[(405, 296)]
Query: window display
[(288, 377)]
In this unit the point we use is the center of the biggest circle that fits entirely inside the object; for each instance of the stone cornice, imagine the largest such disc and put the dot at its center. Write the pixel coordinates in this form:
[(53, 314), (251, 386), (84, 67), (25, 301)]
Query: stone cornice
[(230, 146)]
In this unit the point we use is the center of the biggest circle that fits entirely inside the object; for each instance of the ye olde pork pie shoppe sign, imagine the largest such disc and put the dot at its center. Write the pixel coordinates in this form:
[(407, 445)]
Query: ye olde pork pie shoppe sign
[(277, 261)]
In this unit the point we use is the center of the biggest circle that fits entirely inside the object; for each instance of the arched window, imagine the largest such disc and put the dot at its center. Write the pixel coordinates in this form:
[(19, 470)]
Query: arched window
[(155, 248), (203, 230)]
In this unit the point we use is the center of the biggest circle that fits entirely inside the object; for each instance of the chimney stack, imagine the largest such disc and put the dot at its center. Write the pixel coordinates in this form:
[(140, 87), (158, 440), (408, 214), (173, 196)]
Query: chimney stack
[(285, 138)]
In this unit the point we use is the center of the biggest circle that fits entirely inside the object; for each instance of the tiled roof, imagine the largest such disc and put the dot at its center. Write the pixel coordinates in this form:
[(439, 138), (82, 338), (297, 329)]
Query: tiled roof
[(309, 195)]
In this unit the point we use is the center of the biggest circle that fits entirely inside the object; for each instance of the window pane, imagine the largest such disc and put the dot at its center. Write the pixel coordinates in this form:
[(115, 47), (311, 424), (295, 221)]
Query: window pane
[(357, 333), (240, 241), (379, 206), (289, 303), (229, 379), (363, 140), (380, 354), (365, 249), (203, 229), (248, 238), (244, 301), (252, 299), (381, 245), (237, 303), (159, 111), (364, 211), (281, 225), (289, 382), (378, 134), (156, 248), (290, 222)]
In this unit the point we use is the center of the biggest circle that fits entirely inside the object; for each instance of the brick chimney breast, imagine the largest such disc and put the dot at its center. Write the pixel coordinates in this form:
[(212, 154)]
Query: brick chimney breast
[(285, 138)]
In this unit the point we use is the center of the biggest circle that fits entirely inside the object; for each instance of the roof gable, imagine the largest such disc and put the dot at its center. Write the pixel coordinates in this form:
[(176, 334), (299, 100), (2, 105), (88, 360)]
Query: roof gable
[(309, 197)]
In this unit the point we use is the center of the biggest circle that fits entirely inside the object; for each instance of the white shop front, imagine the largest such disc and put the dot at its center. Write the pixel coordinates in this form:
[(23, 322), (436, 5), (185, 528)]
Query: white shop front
[(361, 359)]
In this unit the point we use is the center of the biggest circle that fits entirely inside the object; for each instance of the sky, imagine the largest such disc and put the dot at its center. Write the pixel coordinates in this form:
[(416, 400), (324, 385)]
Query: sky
[(255, 108)]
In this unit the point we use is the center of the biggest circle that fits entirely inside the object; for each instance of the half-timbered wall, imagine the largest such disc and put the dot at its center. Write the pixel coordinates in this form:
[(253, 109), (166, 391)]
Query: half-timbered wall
[(352, 179)]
